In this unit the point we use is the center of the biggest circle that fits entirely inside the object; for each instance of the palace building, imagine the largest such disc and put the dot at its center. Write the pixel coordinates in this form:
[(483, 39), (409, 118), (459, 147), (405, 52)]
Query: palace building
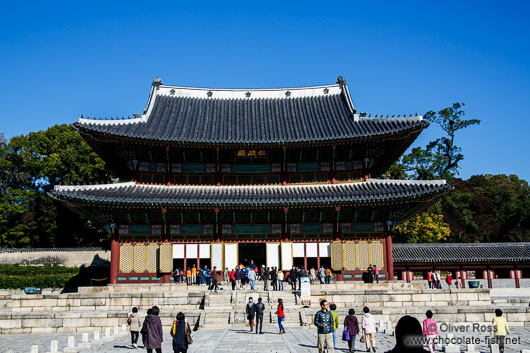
[(217, 177)]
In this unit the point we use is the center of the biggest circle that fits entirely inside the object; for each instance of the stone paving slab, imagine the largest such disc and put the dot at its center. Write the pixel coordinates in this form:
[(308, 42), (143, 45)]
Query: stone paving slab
[(240, 340)]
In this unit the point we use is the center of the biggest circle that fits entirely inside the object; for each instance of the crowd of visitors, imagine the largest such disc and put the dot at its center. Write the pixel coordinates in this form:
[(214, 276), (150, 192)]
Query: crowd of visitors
[(434, 280), (246, 276), (409, 333)]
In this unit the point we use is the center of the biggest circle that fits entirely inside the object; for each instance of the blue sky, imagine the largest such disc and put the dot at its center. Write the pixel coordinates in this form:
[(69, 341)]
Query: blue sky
[(62, 60)]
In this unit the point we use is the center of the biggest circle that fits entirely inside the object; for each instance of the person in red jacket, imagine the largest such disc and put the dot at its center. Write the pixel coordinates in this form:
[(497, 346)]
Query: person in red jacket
[(449, 279), (429, 279), (281, 316), (232, 277)]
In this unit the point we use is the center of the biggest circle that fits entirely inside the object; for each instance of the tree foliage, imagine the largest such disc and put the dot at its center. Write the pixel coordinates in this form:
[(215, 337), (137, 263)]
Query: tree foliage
[(488, 208), (30, 166), (423, 228), (441, 158)]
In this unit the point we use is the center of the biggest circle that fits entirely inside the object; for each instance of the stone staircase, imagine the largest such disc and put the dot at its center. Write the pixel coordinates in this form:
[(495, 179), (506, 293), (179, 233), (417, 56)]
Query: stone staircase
[(101, 307), (230, 308)]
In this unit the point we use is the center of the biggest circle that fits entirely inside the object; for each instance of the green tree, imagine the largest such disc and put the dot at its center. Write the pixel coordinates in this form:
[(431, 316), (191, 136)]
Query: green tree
[(441, 158), (489, 208), (30, 166)]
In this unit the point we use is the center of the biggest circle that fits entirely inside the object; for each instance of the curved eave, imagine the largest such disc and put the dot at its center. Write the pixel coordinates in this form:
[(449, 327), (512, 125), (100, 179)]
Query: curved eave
[(410, 133), (399, 198)]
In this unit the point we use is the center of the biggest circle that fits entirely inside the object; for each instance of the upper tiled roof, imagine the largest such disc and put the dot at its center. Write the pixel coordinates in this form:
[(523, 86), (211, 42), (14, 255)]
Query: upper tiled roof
[(461, 252), (373, 190), (257, 116)]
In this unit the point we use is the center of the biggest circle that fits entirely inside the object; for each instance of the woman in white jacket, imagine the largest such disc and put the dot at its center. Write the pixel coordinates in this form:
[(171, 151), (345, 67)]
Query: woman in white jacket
[(368, 326)]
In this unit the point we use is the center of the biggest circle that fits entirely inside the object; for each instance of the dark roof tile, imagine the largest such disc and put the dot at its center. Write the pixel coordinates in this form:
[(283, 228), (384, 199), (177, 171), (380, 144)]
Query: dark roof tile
[(266, 118), (460, 252), (373, 190)]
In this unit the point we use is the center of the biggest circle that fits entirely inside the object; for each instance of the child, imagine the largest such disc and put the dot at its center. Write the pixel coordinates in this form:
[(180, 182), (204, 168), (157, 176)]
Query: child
[(430, 330), (500, 328)]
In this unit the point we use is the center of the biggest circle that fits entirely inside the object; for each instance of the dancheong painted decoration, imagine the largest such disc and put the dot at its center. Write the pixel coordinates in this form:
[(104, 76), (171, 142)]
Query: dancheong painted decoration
[(219, 177)]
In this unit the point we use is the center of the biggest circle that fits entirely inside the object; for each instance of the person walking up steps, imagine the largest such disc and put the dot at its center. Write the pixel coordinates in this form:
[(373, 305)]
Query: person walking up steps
[(280, 280), (352, 325), (152, 333), (193, 275), (233, 279), (179, 330), (335, 316), (324, 323), (266, 279), (321, 274), (134, 326), (251, 313), (430, 330), (215, 285), (368, 325), (252, 279), (260, 309), (501, 329), (292, 278), (281, 316), (274, 279)]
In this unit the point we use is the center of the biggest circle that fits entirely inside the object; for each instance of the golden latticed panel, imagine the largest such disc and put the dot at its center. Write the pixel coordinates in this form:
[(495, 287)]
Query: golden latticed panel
[(166, 257), (126, 258), (364, 255), (337, 261), (349, 256), (377, 254), (140, 263), (152, 255)]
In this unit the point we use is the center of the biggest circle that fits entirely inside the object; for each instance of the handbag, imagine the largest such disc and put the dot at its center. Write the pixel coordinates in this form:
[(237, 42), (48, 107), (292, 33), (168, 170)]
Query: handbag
[(363, 339), (189, 339), (346, 335)]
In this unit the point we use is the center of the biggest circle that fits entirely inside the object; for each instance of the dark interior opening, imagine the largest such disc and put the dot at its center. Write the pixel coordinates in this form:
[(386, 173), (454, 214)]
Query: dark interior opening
[(312, 262), (248, 252), (326, 262)]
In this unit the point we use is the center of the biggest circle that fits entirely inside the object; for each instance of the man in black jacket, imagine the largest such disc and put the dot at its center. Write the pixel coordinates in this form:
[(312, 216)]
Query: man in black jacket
[(293, 278), (259, 308), (251, 312), (274, 279), (266, 279)]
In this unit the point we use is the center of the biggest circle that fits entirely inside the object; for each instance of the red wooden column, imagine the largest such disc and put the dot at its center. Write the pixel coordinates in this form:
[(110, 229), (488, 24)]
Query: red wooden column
[(165, 239), (488, 274), (318, 256), (463, 275), (389, 258), (185, 260), (114, 257), (516, 274), (305, 257)]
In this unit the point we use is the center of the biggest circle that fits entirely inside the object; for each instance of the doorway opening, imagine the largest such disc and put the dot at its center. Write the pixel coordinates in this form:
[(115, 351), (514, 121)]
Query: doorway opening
[(252, 252)]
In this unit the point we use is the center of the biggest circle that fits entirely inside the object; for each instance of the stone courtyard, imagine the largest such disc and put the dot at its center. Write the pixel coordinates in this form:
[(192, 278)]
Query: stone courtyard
[(238, 339), (218, 318)]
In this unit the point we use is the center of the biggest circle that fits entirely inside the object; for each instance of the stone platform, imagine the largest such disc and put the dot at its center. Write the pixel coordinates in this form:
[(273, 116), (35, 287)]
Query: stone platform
[(101, 307)]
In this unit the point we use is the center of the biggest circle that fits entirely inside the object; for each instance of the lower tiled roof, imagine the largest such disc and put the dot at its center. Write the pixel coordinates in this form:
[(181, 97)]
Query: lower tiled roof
[(460, 252), (373, 190)]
